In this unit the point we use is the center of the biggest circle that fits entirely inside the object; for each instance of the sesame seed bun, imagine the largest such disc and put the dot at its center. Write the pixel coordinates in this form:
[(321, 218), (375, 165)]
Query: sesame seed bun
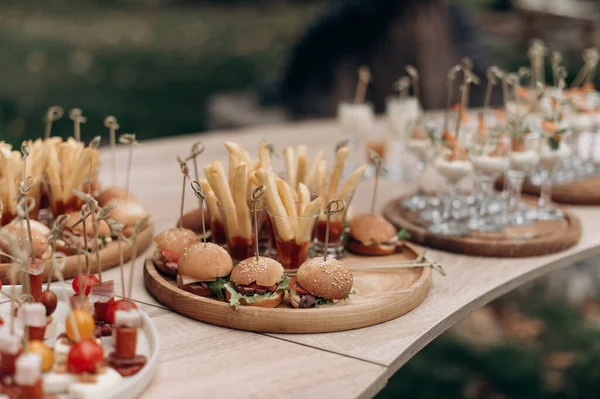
[(358, 247), (264, 272), (193, 221), (205, 263), (371, 229), (103, 228), (128, 213), (39, 235), (329, 279), (176, 240), (113, 193), (271, 302)]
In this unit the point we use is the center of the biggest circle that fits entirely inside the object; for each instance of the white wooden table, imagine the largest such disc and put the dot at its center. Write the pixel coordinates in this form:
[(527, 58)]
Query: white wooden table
[(200, 360)]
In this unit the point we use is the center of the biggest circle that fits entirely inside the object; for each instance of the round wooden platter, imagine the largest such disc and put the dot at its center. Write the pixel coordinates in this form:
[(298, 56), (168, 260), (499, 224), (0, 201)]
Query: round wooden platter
[(109, 256), (538, 239), (381, 296), (580, 192)]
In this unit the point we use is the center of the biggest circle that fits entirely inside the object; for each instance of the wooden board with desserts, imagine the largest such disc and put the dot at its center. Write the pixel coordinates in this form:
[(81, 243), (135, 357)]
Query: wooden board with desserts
[(291, 282)]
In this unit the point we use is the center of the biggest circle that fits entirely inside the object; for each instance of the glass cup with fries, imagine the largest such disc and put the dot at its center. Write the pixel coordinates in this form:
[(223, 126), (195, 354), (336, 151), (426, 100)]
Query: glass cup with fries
[(239, 230)]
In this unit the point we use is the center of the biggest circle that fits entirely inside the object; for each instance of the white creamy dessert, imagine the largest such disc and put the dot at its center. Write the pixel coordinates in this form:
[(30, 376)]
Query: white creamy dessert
[(550, 159), (356, 119), (524, 161), (488, 165), (419, 147), (453, 171)]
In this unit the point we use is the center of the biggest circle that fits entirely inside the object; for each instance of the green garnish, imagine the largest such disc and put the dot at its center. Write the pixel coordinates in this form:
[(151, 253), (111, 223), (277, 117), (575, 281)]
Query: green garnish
[(234, 301), (553, 143), (217, 287), (403, 235)]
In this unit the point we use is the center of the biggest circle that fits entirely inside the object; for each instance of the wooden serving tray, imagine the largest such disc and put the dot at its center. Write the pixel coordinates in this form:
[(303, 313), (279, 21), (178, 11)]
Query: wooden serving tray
[(580, 192), (540, 238), (109, 257), (380, 296)]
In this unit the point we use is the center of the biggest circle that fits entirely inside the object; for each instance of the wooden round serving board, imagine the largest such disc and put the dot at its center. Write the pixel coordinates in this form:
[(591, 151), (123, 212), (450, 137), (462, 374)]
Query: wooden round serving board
[(109, 257), (580, 192), (540, 238), (380, 296)]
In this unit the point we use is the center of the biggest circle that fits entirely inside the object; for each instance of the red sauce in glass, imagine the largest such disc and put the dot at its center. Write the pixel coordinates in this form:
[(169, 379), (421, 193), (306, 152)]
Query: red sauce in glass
[(36, 282), (36, 333), (378, 147), (291, 254), (266, 231), (101, 308), (335, 231), (218, 232), (34, 391), (126, 342), (241, 248), (7, 362)]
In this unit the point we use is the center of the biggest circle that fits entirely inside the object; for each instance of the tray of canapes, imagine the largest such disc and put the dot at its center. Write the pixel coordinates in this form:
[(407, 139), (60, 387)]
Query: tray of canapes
[(262, 277), (51, 185), (79, 342)]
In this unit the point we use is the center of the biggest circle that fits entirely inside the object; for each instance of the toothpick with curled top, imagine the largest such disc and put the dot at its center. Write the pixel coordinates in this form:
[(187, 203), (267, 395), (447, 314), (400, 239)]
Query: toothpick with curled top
[(378, 162), (257, 195), (54, 113), (333, 207), (77, 117), (197, 149), (117, 231), (492, 75), (93, 145), (94, 209), (452, 73), (414, 75), (470, 78), (20, 261), (420, 261), (185, 171), (129, 139), (137, 229), (55, 234), (199, 191), (402, 85), (110, 122), (364, 77)]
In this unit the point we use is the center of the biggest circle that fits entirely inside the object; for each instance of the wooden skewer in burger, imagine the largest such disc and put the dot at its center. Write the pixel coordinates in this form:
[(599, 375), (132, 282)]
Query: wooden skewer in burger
[(204, 266), (171, 244), (192, 220), (322, 281), (371, 234), (256, 281)]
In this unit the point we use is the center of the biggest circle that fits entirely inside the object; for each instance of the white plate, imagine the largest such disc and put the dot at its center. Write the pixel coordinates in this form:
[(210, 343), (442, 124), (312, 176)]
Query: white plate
[(148, 344)]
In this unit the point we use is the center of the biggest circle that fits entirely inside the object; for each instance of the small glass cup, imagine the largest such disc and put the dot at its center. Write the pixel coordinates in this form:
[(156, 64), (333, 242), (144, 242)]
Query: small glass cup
[(401, 114), (552, 154), (420, 145), (293, 236), (217, 229), (60, 201), (523, 158), (337, 241), (240, 236)]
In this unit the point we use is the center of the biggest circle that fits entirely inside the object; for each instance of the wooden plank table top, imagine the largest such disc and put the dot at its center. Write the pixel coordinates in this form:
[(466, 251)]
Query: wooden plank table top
[(198, 360)]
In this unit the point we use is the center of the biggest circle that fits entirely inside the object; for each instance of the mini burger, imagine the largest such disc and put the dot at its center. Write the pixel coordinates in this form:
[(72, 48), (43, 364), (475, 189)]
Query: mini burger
[(127, 212), (39, 235), (113, 193), (104, 233), (193, 221), (320, 282), (202, 269), (256, 282), (170, 245), (372, 235)]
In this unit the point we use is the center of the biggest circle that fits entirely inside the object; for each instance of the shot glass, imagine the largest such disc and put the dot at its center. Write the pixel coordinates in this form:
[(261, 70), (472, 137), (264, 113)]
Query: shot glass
[(217, 229), (293, 236), (239, 230), (337, 241)]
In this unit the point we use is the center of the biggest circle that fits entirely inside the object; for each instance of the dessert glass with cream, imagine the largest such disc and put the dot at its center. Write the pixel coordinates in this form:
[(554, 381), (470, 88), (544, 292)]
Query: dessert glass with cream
[(524, 157), (452, 165), (401, 114), (418, 142)]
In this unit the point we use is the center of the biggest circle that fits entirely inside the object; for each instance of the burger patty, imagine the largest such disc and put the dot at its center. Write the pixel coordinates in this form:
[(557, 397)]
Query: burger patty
[(253, 289), (307, 300), (159, 258)]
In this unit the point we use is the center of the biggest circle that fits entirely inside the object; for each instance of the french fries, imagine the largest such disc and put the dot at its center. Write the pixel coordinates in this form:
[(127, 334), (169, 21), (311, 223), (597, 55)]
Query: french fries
[(275, 204), (303, 198), (287, 197), (240, 190), (215, 174), (338, 169), (305, 225), (211, 200), (290, 165)]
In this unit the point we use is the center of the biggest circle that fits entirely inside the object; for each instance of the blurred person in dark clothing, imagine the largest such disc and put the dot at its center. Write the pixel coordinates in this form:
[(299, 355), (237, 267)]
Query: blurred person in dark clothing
[(386, 35)]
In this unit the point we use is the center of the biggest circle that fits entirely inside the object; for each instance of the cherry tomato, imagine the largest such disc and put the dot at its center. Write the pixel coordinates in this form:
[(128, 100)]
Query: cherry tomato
[(46, 354), (83, 280), (85, 356), (49, 300), (1, 321), (84, 322), (121, 304)]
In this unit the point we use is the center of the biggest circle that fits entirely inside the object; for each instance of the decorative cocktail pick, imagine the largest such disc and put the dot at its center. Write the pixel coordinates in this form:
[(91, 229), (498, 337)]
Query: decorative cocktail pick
[(414, 75), (364, 77), (537, 52), (470, 78), (54, 113), (561, 78), (199, 191), (93, 208), (58, 262), (117, 230), (378, 162), (492, 76), (523, 72), (24, 156), (257, 195), (93, 145), (555, 61), (197, 149), (129, 139), (24, 207), (402, 85), (594, 57), (590, 61), (77, 117), (466, 65), (111, 123), (19, 262), (333, 207), (55, 234), (85, 212), (185, 171), (137, 229), (341, 144), (452, 73)]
